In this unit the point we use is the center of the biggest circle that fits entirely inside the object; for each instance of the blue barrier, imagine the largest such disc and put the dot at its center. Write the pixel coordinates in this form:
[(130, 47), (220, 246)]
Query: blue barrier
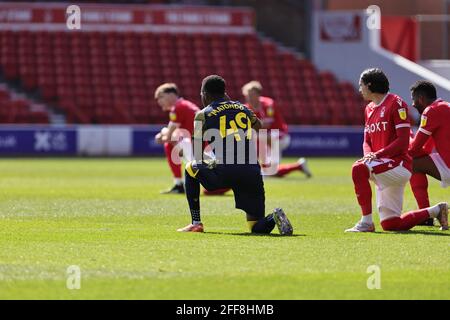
[(143, 142), (65, 141), (325, 141), (319, 141), (38, 141)]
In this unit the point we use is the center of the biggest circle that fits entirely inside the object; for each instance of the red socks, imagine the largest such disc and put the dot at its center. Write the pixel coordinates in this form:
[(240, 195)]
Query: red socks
[(284, 169), (360, 176), (406, 221), (175, 168), (419, 186)]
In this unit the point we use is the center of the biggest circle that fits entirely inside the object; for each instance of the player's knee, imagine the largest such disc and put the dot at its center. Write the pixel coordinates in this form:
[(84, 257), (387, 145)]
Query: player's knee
[(391, 224), (261, 226), (190, 169), (359, 170)]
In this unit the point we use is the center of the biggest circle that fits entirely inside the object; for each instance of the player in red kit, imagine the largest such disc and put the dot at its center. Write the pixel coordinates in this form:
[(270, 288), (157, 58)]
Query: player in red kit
[(177, 135), (386, 160), (266, 110), (433, 133)]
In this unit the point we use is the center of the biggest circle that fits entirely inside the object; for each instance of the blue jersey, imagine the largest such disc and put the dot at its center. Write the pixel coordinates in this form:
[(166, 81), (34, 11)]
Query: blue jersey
[(227, 127)]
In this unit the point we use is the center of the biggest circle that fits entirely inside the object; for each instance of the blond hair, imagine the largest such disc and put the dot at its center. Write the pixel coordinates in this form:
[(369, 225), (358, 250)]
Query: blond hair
[(166, 88), (252, 85)]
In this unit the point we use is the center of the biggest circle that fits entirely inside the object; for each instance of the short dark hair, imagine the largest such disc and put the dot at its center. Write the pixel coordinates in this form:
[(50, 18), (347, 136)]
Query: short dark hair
[(214, 85), (424, 88), (376, 80)]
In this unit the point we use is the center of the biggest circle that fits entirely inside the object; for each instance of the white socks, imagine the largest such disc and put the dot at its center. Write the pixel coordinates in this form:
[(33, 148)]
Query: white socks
[(178, 181), (367, 219)]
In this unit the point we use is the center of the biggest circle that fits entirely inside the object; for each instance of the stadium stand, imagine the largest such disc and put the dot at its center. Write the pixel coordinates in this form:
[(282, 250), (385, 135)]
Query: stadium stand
[(16, 109), (109, 77)]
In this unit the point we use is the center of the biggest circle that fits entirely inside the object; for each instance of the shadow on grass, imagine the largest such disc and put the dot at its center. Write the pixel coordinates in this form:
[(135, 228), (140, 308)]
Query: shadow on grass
[(248, 234), (415, 232)]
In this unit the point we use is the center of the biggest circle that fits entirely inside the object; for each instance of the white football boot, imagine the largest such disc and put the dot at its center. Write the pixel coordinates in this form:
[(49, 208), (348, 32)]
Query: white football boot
[(362, 227), (305, 168)]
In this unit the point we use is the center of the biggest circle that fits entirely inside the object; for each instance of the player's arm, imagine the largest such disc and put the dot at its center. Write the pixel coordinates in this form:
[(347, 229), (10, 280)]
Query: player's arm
[(396, 147), (402, 124), (421, 145), (270, 117), (171, 127), (417, 145), (367, 144), (254, 120)]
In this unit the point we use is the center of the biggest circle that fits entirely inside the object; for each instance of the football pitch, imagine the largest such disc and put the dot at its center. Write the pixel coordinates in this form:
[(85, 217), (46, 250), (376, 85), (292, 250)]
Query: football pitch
[(107, 218)]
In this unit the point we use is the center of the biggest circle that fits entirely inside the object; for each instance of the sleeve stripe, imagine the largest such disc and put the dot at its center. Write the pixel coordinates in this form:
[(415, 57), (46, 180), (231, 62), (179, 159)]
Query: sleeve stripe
[(403, 125), (428, 133)]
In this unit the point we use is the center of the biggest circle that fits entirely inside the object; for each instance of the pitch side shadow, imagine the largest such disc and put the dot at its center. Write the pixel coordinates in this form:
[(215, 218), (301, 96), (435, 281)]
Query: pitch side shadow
[(247, 234)]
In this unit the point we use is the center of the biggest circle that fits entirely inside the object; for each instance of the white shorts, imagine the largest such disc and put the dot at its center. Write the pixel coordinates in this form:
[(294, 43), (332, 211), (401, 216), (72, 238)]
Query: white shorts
[(444, 171), (390, 187)]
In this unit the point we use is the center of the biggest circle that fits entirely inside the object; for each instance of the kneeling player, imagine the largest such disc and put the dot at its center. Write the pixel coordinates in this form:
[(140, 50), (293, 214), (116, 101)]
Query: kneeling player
[(226, 121), (434, 131), (178, 132), (267, 111), (386, 160)]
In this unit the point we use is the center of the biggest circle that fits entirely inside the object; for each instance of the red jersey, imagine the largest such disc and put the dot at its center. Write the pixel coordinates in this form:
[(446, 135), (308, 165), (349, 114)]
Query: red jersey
[(434, 126), (381, 124), (183, 113), (270, 116)]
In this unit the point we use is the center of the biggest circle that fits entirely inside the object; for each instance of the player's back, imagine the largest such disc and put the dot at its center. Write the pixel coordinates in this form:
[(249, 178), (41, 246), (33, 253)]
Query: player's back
[(232, 139), (435, 122), (183, 112)]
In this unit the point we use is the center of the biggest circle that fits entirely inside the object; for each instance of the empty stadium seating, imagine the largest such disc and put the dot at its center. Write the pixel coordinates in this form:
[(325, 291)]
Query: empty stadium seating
[(15, 109), (110, 77)]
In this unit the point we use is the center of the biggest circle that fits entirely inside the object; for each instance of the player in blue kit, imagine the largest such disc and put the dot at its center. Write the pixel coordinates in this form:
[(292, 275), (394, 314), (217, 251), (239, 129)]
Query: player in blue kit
[(228, 129)]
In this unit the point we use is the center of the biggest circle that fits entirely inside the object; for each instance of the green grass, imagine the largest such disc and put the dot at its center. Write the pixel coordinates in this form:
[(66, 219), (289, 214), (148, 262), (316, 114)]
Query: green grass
[(108, 218)]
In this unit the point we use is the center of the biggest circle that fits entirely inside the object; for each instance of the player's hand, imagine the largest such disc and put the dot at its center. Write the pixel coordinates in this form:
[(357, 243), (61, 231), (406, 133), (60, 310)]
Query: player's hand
[(368, 158), (158, 138)]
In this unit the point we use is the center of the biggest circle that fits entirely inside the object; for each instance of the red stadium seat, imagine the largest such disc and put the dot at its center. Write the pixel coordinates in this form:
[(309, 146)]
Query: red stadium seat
[(110, 77)]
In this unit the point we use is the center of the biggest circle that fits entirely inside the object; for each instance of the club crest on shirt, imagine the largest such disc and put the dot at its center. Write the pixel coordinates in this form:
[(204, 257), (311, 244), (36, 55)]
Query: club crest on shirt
[(423, 121), (269, 112), (402, 113), (382, 112), (172, 116)]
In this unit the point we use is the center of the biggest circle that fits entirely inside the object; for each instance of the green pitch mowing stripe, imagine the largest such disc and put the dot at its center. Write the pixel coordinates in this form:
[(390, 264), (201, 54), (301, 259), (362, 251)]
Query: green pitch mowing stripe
[(108, 218)]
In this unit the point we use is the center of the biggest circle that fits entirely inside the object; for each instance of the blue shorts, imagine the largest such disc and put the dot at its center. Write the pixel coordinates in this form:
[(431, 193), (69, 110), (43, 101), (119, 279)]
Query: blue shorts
[(244, 179)]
